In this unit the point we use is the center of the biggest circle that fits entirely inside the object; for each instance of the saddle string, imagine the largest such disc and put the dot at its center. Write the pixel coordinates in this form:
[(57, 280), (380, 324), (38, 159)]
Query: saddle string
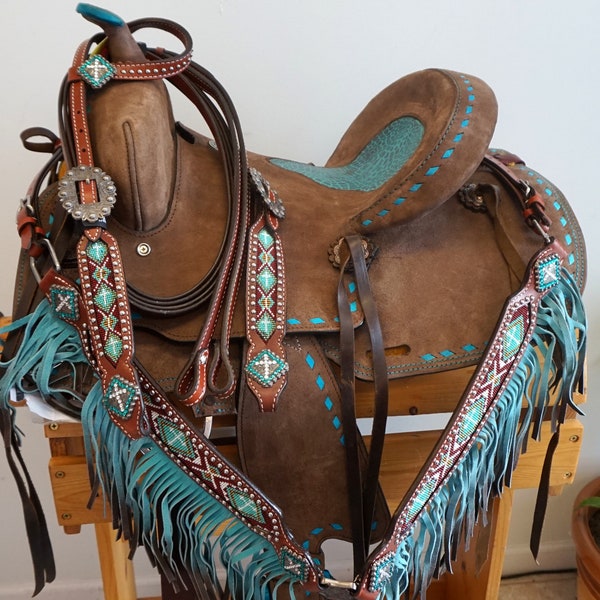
[(361, 492), (44, 568), (532, 203), (492, 202)]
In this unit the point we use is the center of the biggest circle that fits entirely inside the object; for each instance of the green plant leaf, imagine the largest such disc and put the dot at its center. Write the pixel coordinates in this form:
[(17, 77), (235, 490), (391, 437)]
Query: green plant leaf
[(593, 501)]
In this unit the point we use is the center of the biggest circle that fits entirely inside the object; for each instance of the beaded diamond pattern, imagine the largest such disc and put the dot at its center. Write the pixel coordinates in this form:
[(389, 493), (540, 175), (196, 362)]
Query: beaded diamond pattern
[(104, 299)]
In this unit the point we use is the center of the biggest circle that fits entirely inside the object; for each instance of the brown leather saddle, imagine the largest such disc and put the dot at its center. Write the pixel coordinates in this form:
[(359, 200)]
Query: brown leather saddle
[(213, 285)]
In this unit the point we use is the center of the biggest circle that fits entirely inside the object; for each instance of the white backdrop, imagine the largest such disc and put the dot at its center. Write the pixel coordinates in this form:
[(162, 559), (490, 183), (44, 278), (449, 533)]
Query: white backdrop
[(299, 72)]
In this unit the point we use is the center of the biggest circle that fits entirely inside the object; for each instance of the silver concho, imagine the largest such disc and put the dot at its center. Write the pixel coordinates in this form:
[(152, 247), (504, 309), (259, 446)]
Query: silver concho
[(69, 198), (338, 253), (471, 196), (267, 193)]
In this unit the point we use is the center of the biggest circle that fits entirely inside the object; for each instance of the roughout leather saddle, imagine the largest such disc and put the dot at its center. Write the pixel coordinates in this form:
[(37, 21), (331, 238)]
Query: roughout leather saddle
[(175, 290)]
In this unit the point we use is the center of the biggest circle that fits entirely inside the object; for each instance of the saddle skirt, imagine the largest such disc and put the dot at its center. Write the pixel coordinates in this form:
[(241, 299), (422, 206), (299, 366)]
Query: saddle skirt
[(222, 283)]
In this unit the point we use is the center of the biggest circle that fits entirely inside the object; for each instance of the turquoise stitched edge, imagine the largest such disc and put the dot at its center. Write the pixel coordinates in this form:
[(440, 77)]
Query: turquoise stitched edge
[(572, 243)]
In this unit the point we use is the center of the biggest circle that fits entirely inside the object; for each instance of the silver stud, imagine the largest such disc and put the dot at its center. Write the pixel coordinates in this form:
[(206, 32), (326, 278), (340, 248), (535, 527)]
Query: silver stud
[(143, 249)]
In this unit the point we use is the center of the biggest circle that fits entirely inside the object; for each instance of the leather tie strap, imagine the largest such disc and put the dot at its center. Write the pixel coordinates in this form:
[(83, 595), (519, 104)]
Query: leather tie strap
[(362, 494), (216, 107), (533, 204), (541, 501), (35, 522)]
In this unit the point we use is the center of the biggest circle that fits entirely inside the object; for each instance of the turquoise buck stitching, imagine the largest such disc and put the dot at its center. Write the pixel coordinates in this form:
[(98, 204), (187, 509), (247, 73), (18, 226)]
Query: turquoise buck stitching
[(447, 154)]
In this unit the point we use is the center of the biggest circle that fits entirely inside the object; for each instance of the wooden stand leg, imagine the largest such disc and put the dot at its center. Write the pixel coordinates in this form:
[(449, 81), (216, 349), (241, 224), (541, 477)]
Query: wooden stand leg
[(478, 572), (117, 570), (498, 543)]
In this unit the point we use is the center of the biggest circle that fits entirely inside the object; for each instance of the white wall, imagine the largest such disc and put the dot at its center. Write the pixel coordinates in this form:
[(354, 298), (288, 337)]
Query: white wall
[(299, 72)]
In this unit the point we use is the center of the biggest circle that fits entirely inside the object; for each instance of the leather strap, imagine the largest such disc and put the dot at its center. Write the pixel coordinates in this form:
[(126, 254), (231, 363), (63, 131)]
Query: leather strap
[(381, 393), (347, 394), (362, 493), (266, 365), (97, 70), (543, 493), (533, 204), (28, 223), (511, 255), (35, 522), (103, 312), (49, 146), (199, 85)]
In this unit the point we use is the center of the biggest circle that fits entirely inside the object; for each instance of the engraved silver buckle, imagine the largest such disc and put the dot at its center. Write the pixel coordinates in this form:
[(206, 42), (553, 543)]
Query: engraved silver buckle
[(268, 195), (69, 198)]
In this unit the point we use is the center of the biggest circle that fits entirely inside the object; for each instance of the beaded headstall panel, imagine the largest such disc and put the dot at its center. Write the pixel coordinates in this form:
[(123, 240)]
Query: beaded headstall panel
[(169, 282)]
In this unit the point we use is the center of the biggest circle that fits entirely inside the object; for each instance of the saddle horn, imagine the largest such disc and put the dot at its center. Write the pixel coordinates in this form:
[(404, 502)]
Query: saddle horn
[(123, 46)]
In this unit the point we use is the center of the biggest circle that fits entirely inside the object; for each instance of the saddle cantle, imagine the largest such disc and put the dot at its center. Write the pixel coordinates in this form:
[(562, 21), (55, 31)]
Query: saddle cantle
[(183, 278)]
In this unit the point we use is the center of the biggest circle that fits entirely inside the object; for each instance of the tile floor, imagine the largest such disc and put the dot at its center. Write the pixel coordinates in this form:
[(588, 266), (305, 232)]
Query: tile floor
[(553, 586)]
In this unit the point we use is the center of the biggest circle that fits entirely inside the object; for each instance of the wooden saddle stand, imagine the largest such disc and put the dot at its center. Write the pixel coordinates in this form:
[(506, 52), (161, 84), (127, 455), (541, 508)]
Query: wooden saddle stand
[(221, 323)]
